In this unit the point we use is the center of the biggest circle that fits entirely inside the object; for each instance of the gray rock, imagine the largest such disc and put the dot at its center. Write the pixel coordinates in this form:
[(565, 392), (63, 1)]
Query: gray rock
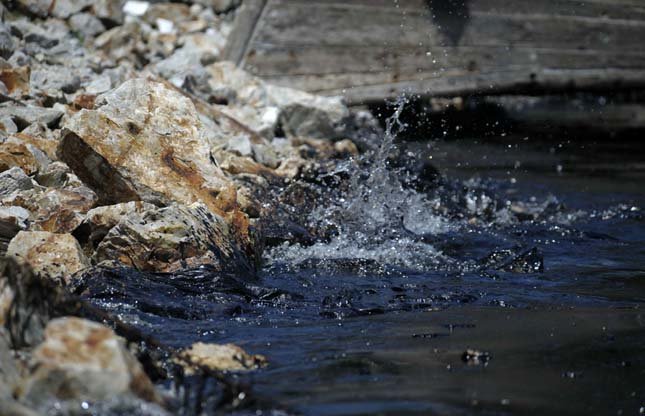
[(54, 79), (13, 180), (41, 40), (7, 45), (86, 24), (38, 8), (23, 116), (110, 10), (7, 125), (66, 8)]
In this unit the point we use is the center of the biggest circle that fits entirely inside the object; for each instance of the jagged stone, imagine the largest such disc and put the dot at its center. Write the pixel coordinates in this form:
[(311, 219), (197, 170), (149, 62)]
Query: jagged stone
[(7, 45), (55, 210), (12, 220), (176, 237), (99, 221), (57, 256), (13, 180), (15, 153), (144, 142), (84, 360), (86, 24), (263, 106), (58, 175), (218, 357), (16, 79), (26, 115), (66, 8)]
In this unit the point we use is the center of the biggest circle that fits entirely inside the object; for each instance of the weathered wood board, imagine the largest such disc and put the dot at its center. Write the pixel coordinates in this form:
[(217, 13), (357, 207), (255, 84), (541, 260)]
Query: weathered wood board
[(373, 49)]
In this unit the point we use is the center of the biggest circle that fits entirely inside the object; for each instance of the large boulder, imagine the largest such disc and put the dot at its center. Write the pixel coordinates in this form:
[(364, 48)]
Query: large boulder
[(84, 360), (145, 142), (176, 237), (57, 256)]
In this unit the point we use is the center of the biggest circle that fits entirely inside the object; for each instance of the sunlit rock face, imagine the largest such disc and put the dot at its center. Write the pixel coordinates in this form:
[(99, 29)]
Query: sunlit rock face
[(57, 256), (84, 360), (176, 237), (145, 142)]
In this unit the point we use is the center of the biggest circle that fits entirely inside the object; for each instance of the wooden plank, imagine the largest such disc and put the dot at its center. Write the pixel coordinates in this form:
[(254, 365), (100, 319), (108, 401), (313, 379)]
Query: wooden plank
[(244, 27), (369, 50), (358, 88)]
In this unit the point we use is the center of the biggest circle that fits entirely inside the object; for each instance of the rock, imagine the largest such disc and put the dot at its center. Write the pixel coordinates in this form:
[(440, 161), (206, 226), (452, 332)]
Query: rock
[(177, 237), (10, 377), (13, 180), (7, 125), (16, 79), (218, 357), (26, 115), (300, 114), (38, 8), (198, 49), (27, 302), (109, 10), (40, 137), (14, 153), (99, 221), (346, 147), (66, 8), (54, 79), (58, 175), (86, 24), (145, 142), (57, 256), (84, 360), (7, 45), (12, 220), (135, 8), (98, 85), (54, 210)]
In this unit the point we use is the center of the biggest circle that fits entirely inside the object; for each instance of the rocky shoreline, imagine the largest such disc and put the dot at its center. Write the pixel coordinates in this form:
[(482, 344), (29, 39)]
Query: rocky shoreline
[(126, 143)]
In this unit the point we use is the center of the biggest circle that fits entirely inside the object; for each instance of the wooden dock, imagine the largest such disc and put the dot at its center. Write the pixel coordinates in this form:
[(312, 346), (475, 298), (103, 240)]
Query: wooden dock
[(368, 50)]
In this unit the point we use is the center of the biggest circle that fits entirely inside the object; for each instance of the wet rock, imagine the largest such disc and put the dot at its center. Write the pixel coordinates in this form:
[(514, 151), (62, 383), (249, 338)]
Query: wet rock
[(145, 142), (84, 360), (86, 24), (23, 116), (57, 256), (218, 357), (176, 237), (14, 153), (13, 180), (99, 221), (16, 79)]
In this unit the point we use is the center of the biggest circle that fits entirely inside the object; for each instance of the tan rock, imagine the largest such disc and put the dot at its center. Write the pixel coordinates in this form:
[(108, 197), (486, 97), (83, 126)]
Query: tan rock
[(99, 221), (57, 256), (84, 360), (175, 237), (144, 143), (14, 153), (218, 357), (16, 80), (55, 210)]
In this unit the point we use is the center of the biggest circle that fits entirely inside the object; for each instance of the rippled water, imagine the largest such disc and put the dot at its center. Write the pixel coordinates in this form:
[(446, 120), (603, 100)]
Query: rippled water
[(535, 261)]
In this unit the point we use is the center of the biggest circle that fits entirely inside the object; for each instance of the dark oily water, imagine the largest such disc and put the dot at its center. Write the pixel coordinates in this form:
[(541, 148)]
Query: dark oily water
[(511, 286)]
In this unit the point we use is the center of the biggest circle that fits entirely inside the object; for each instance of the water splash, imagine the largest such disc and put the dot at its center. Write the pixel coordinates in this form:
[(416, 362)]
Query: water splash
[(377, 218)]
